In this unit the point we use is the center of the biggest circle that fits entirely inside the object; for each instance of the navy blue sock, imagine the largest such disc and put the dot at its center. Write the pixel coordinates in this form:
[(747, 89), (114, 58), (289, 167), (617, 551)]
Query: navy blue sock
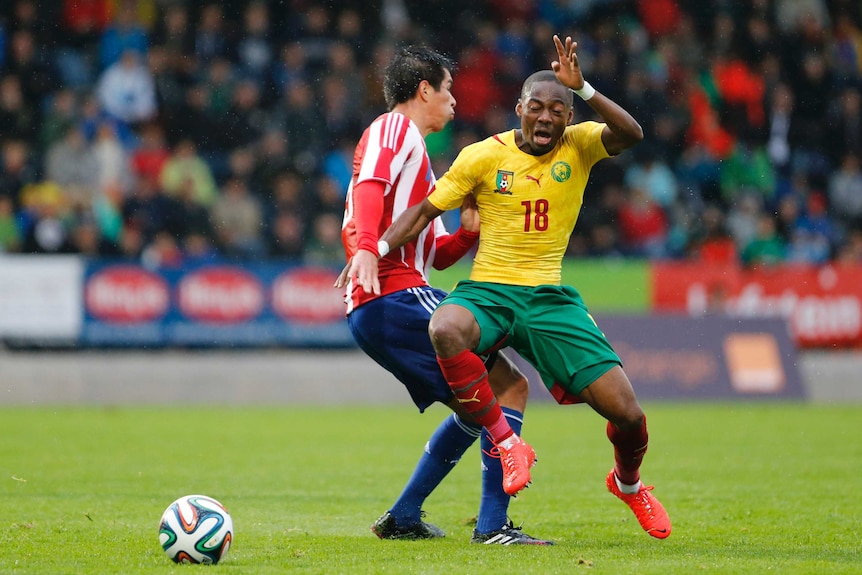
[(447, 444), (494, 508)]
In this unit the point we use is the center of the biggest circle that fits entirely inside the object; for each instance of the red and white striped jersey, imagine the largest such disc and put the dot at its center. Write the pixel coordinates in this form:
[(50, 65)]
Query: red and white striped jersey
[(392, 151)]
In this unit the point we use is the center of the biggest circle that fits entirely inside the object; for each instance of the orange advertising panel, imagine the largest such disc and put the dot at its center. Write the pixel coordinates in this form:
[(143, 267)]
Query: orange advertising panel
[(822, 305)]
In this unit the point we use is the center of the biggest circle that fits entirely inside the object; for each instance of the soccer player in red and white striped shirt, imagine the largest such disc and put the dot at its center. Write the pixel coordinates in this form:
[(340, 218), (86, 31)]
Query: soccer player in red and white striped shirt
[(389, 320)]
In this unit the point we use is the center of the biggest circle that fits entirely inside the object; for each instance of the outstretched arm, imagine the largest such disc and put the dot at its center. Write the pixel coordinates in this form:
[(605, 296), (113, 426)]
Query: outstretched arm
[(363, 265), (621, 131), (409, 224)]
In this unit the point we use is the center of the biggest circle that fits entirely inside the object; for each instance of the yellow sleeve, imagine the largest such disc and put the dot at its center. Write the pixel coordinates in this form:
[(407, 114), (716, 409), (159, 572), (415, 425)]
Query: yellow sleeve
[(463, 176), (587, 138)]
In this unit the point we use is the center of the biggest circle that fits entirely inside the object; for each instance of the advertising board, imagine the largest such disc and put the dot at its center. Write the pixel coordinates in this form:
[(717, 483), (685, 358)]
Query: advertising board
[(215, 305)]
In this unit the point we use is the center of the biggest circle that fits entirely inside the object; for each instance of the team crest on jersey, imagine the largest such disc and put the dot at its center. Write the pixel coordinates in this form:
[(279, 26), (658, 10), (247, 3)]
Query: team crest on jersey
[(504, 182), (561, 171)]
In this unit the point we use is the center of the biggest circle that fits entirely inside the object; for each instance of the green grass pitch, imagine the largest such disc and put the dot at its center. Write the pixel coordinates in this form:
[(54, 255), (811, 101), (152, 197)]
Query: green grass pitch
[(750, 487)]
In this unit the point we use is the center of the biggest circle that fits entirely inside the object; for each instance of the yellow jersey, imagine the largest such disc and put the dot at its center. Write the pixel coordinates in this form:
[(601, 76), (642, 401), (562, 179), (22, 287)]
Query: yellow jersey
[(528, 205)]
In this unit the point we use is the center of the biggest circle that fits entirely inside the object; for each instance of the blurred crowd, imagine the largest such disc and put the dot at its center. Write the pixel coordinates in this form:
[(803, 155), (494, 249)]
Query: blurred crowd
[(174, 131)]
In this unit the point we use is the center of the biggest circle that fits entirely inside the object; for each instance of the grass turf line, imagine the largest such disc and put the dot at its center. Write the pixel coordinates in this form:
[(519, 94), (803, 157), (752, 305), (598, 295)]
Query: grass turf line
[(750, 488)]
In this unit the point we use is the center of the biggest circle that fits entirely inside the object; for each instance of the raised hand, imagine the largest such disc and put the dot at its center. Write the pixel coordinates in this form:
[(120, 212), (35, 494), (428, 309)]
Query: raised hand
[(566, 66)]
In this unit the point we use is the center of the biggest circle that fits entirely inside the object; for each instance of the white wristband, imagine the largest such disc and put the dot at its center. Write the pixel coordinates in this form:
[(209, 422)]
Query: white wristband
[(382, 248), (586, 92)]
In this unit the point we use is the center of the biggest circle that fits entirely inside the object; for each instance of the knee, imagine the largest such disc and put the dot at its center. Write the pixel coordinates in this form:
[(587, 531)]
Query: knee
[(630, 418), (514, 384), (447, 336)]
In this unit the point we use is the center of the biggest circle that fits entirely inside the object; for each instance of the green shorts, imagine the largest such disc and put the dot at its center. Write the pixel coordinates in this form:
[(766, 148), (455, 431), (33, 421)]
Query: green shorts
[(548, 325)]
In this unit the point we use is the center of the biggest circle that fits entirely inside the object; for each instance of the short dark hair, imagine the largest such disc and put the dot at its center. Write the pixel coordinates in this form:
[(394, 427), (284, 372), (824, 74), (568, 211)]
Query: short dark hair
[(543, 76), (408, 68)]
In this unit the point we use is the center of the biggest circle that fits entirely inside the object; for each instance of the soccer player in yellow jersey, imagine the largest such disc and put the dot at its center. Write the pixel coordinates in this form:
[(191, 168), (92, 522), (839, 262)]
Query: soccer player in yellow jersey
[(529, 186)]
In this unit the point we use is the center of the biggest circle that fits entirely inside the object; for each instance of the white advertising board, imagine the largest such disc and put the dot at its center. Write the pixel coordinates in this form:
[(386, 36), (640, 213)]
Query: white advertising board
[(40, 297)]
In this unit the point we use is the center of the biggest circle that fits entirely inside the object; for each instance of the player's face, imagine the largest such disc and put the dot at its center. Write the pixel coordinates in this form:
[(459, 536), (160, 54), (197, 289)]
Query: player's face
[(545, 112), (442, 103)]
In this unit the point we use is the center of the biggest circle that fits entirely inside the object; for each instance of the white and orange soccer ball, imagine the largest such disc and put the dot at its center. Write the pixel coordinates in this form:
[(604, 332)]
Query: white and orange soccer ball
[(196, 529)]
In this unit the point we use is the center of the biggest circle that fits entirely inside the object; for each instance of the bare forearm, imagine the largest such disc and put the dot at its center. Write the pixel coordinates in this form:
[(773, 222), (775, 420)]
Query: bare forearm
[(624, 130), (409, 224)]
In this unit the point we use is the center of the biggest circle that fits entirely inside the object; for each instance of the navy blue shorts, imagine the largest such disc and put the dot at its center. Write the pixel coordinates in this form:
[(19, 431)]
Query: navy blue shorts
[(393, 331)]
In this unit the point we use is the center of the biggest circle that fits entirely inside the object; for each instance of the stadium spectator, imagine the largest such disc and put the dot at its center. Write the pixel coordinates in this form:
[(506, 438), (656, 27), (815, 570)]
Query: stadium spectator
[(237, 221), (17, 169), (72, 163), (131, 243), (185, 164), (146, 211), (112, 160), (324, 243), (300, 114), (747, 170), (126, 89), (125, 32), (245, 121), (850, 252), (810, 80), (476, 89), (354, 31), (212, 35), (742, 219), (162, 252), (654, 176), (175, 36), (328, 197), (186, 217), (197, 248), (343, 65), (779, 128), (313, 32), (47, 231), (61, 114), (643, 225), (290, 68), (17, 118), (272, 158), (84, 21), (241, 165), (845, 192), (87, 239), (190, 120), (106, 210), (821, 228), (289, 193), (767, 248), (340, 118), (845, 121), (255, 45), (149, 157), (285, 237), (10, 235), (712, 243)]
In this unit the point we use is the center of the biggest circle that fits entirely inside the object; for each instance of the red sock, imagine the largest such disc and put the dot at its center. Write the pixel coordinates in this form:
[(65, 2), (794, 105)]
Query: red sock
[(630, 445), (468, 379)]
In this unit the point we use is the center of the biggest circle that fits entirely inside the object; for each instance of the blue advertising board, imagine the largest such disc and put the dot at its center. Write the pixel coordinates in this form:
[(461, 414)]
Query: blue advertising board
[(212, 305)]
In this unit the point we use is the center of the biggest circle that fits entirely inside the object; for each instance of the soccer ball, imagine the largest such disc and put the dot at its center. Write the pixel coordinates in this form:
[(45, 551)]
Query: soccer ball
[(196, 529)]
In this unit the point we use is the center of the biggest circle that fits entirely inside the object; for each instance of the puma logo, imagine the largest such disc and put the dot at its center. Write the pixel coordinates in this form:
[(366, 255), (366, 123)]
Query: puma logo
[(470, 399), (532, 179)]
